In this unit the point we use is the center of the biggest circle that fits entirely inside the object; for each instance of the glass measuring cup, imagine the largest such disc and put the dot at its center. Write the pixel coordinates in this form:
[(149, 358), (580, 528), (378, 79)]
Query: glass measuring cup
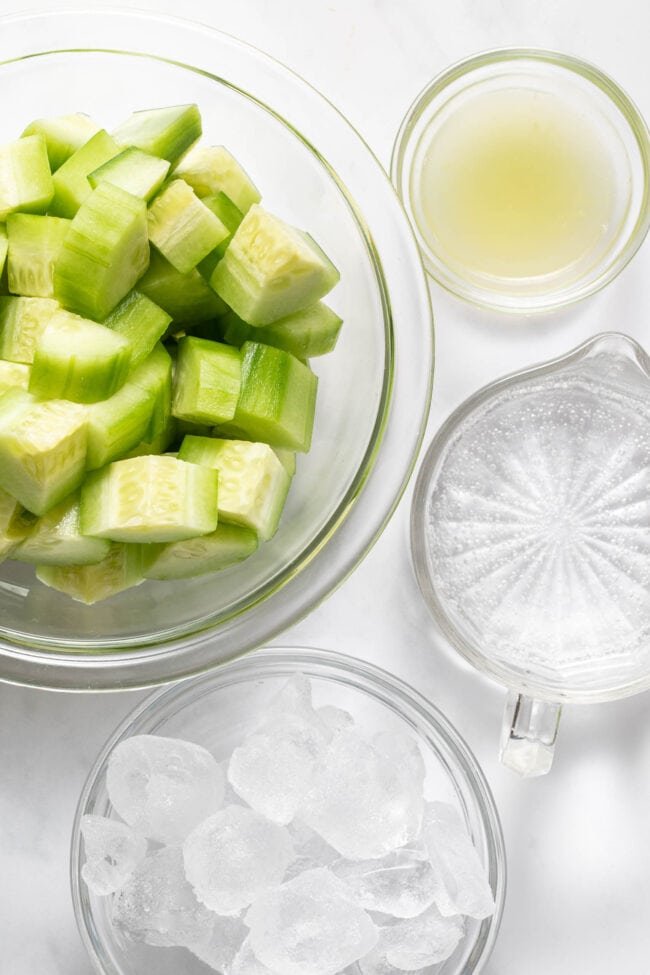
[(530, 532)]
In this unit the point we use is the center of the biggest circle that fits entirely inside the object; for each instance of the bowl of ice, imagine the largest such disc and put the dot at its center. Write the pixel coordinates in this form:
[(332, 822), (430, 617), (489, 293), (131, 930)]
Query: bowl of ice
[(316, 175), (296, 812)]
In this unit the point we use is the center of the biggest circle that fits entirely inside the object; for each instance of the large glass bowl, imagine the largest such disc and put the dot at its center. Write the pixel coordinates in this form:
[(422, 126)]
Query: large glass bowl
[(374, 390), (217, 709)]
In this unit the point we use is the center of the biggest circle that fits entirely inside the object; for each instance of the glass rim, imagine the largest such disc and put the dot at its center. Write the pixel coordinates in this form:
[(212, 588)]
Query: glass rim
[(166, 655), (590, 282), (521, 682), (384, 687)]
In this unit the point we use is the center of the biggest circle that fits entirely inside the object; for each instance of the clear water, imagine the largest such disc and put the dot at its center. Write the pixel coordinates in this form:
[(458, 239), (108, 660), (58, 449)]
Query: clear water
[(538, 524)]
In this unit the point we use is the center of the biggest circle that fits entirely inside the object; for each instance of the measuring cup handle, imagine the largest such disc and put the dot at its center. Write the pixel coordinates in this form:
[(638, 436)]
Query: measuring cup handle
[(528, 734)]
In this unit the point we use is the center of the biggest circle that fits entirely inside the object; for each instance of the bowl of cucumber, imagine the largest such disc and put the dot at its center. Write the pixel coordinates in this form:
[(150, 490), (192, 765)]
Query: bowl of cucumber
[(126, 264)]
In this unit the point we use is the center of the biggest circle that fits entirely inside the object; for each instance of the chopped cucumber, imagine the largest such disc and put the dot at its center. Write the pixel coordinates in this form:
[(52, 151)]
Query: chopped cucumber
[(25, 177), (207, 381), (118, 424), (277, 399), (71, 186), (56, 539), (121, 569), (132, 170), (186, 297), (226, 546), (149, 499), (105, 252), (164, 132), (34, 246), (79, 360), (140, 321), (63, 135), (212, 169), (288, 460), (22, 320), (305, 334), (157, 445), (230, 216), (155, 376), (271, 270), (253, 483), (183, 229), (13, 374), (4, 246), (42, 449), (15, 524)]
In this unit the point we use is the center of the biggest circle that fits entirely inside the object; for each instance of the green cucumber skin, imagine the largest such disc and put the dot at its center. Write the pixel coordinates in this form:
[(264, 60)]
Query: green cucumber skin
[(226, 546), (63, 135), (71, 186), (277, 401), (306, 334), (25, 177), (56, 539), (105, 252), (118, 424), (207, 381), (164, 132), (141, 322), (121, 569), (155, 376), (187, 298), (132, 170)]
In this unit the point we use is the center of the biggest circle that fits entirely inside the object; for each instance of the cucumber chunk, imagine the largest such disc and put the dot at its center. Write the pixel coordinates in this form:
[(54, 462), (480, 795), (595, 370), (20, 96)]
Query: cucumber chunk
[(149, 499), (121, 569), (42, 449), (71, 186), (271, 270), (25, 177), (140, 321), (22, 320), (288, 460), (226, 546), (253, 483), (207, 381), (34, 246), (212, 169), (13, 374), (186, 297), (230, 216), (305, 334), (155, 376), (4, 246), (15, 524), (157, 445), (133, 170), (277, 400), (164, 132), (182, 228), (56, 539), (105, 252), (78, 360), (118, 424), (63, 135)]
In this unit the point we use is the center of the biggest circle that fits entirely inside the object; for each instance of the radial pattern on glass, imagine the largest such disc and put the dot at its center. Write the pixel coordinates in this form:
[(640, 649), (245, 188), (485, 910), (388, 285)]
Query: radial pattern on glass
[(538, 525)]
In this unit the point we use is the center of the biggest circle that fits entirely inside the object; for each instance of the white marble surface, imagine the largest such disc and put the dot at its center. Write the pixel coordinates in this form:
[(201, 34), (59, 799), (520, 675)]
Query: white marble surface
[(578, 841)]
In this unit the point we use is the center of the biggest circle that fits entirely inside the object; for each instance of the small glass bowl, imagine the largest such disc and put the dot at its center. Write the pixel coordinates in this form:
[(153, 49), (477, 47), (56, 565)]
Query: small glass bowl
[(374, 389), (215, 710), (616, 122)]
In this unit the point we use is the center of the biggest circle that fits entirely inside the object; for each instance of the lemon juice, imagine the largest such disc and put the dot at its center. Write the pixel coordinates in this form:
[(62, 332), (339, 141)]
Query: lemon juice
[(515, 183)]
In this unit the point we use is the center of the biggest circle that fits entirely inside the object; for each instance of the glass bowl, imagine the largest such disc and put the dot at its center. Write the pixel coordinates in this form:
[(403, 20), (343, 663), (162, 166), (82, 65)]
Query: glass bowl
[(215, 710), (374, 389), (611, 120)]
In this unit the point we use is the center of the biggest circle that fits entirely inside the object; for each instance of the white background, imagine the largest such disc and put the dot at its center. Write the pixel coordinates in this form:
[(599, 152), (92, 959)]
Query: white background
[(578, 841)]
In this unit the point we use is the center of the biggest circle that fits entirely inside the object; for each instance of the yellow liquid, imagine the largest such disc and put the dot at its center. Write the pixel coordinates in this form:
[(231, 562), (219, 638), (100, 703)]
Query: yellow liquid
[(516, 183)]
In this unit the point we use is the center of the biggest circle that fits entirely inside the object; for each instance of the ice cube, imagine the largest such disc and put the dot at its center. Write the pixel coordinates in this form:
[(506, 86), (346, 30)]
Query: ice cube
[(402, 884), (360, 802), (421, 941), (309, 926), (376, 963), (247, 963), (233, 856), (113, 851), (310, 848), (403, 750), (273, 767), (464, 885), (222, 944), (158, 906), (163, 787), (336, 719)]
